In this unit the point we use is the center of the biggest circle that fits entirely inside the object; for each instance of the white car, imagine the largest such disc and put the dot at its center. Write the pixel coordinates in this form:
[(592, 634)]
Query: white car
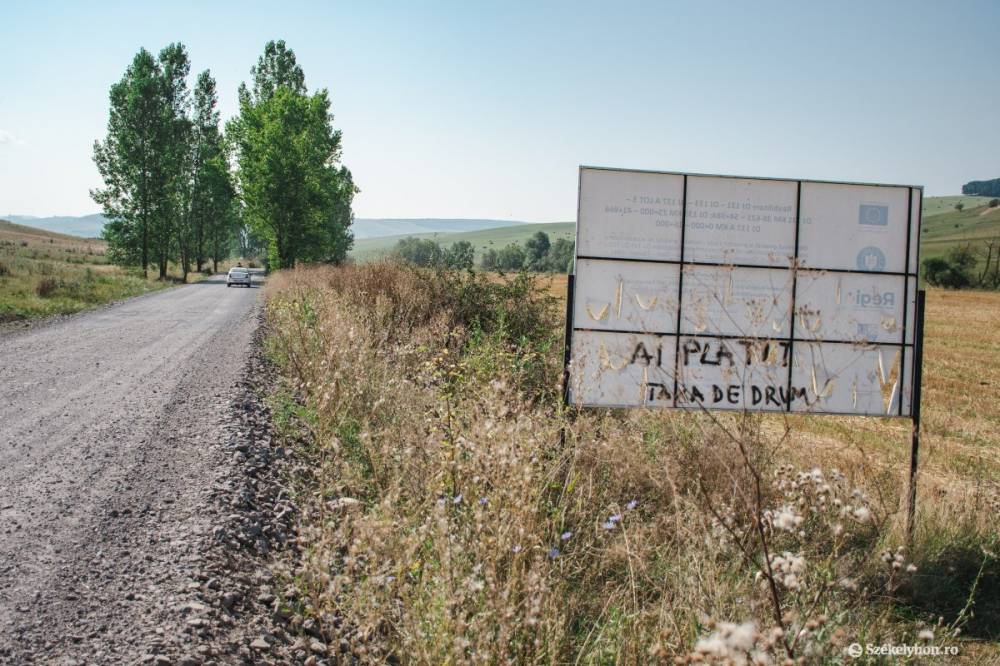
[(238, 275)]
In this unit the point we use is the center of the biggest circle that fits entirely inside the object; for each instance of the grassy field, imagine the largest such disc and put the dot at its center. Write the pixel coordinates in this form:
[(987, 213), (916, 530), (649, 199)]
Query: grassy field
[(45, 273), (950, 229), (938, 205), (454, 512), (367, 249)]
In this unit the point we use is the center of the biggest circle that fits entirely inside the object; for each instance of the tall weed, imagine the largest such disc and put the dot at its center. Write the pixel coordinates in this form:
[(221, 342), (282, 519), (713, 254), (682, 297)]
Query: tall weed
[(458, 513)]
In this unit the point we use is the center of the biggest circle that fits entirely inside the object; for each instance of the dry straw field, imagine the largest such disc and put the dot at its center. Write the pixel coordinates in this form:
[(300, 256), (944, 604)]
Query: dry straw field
[(457, 513)]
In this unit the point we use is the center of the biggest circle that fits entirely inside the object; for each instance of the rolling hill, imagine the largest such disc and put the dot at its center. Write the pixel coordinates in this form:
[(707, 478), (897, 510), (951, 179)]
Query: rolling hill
[(90, 226), (86, 226), (367, 249), (379, 227), (972, 225)]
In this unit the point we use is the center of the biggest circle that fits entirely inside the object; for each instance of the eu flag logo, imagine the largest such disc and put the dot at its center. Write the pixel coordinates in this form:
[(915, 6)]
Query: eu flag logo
[(872, 215)]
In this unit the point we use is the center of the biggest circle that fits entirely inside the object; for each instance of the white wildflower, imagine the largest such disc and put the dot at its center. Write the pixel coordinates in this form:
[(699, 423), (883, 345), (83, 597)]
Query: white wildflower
[(729, 640), (786, 519)]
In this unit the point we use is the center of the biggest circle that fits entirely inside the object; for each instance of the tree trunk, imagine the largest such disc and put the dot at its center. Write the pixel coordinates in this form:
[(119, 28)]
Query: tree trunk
[(145, 244)]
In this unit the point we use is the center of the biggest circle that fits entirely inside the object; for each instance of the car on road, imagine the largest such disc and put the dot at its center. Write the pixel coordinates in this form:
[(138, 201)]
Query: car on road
[(239, 275)]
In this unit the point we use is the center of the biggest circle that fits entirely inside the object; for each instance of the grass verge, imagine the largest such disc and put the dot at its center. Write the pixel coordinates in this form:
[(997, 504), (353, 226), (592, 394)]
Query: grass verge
[(457, 513)]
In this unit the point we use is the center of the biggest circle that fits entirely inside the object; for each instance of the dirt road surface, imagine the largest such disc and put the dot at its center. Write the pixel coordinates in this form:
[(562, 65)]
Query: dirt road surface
[(109, 425)]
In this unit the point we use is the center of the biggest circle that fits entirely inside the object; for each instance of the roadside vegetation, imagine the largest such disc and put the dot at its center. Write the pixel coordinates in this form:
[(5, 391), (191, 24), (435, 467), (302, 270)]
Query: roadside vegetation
[(44, 273), (456, 512)]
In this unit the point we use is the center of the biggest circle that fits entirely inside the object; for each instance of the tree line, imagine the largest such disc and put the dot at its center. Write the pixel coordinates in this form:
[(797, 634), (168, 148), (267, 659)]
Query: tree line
[(965, 267), (178, 189), (983, 188), (538, 253)]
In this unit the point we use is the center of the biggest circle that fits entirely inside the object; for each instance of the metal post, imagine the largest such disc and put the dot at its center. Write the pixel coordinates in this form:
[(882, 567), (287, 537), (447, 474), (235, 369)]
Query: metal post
[(918, 362), (568, 345)]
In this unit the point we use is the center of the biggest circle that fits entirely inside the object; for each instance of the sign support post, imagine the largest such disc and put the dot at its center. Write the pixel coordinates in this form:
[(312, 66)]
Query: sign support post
[(918, 358)]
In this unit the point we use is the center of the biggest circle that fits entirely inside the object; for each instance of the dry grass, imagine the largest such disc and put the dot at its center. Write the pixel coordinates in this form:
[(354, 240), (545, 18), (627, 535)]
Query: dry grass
[(457, 513), (44, 273)]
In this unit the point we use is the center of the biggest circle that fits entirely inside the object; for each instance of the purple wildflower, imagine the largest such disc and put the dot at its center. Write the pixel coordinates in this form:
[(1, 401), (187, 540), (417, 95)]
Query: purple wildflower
[(566, 536), (554, 553)]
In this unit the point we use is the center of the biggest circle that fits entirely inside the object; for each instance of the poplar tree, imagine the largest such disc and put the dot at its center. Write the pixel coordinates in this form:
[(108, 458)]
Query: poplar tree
[(211, 215), (172, 229), (296, 194), (130, 162)]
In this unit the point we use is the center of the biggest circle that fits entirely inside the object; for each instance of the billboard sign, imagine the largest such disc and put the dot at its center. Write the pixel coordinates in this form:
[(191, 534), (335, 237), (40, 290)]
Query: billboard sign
[(734, 293)]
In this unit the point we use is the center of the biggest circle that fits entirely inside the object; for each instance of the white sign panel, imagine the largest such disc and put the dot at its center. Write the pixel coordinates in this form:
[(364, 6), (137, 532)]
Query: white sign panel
[(719, 292)]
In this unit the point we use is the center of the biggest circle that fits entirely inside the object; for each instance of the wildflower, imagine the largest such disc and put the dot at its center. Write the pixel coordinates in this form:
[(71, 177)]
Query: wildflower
[(458, 499), (608, 525), (926, 635), (837, 529), (862, 514), (911, 568), (729, 640), (554, 553), (788, 569), (786, 519), (516, 549), (483, 501), (566, 535), (631, 505), (615, 518)]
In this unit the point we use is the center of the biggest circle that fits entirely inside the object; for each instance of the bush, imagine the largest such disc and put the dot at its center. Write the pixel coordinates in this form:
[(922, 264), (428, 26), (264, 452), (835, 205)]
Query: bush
[(993, 203), (46, 287), (954, 271), (511, 258)]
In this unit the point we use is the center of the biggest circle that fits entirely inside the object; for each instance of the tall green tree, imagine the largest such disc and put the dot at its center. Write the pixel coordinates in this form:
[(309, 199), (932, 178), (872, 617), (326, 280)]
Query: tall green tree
[(536, 250), (172, 231), (460, 255), (296, 194), (211, 219), (511, 258), (130, 162)]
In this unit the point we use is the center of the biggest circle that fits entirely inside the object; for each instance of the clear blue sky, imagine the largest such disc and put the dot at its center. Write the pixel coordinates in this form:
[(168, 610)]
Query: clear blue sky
[(469, 109)]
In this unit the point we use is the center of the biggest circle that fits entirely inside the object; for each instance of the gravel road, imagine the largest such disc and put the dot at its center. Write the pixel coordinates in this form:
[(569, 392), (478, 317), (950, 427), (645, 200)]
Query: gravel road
[(119, 462)]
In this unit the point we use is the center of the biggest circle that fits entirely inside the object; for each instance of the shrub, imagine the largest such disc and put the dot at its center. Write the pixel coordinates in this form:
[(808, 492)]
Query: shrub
[(46, 287), (4, 269), (993, 203), (954, 271)]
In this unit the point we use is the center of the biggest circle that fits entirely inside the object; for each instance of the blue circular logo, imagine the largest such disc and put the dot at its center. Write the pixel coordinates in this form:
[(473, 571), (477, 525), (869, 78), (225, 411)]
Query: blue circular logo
[(871, 259)]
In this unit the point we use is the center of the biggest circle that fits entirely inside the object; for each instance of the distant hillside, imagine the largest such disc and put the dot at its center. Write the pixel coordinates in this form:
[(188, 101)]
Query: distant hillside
[(939, 205), (376, 227), (87, 226), (371, 248), (17, 233), (971, 226)]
